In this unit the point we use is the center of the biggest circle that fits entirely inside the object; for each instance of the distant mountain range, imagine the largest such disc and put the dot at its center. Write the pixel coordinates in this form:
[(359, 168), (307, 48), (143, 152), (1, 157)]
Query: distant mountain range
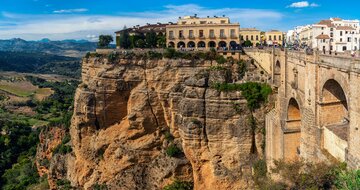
[(69, 48)]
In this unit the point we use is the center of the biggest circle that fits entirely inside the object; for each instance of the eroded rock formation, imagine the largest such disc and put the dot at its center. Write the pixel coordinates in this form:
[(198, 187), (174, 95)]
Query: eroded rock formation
[(124, 108)]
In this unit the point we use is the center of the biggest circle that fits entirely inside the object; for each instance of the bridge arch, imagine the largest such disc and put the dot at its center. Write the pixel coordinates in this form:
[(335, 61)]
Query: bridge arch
[(292, 131), (277, 74), (333, 104)]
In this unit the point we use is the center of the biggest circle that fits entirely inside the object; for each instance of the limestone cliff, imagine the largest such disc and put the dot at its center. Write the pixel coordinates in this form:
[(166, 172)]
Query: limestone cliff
[(125, 108)]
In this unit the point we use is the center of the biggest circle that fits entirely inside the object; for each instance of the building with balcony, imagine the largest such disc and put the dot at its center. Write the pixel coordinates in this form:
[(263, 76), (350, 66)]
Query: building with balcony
[(192, 32), (251, 34), (332, 35)]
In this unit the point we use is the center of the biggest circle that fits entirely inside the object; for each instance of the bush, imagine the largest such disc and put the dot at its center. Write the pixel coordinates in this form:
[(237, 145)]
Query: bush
[(348, 179), (169, 53), (62, 149), (255, 93), (260, 171), (180, 185), (154, 55), (63, 184), (99, 187), (168, 136), (173, 151), (113, 56), (220, 59)]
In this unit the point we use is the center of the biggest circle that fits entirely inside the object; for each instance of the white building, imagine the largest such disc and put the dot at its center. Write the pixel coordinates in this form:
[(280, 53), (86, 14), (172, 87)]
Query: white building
[(334, 34)]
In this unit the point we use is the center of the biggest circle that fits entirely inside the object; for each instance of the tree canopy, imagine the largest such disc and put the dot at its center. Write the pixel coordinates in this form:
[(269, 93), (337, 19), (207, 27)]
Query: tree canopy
[(104, 41)]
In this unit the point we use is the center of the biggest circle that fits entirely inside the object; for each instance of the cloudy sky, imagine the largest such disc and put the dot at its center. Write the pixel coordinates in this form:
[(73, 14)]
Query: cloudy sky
[(86, 19)]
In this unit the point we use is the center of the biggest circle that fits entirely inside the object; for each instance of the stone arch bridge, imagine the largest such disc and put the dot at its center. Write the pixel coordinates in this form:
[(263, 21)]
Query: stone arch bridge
[(317, 112)]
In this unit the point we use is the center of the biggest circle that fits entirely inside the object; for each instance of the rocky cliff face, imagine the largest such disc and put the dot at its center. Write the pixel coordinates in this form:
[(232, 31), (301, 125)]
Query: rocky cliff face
[(125, 108)]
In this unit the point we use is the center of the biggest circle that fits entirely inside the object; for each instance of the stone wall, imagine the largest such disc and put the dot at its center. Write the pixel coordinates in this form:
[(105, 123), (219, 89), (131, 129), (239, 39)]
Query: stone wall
[(310, 80)]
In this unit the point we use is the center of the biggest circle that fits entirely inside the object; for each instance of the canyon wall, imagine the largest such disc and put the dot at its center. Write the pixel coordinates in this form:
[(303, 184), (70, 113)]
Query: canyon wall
[(126, 109)]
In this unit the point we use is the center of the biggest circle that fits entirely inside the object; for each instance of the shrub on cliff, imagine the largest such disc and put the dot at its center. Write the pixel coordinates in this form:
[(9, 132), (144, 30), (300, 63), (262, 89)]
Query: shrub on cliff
[(180, 185), (220, 59), (255, 93), (154, 55), (173, 151)]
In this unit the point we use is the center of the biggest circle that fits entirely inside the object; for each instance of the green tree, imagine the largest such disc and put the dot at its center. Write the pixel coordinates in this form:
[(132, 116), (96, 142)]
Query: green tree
[(161, 41), (140, 43), (125, 41), (104, 41), (247, 43), (151, 39)]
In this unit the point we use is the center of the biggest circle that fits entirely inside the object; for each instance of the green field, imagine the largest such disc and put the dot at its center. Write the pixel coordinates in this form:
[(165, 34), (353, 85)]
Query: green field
[(16, 90)]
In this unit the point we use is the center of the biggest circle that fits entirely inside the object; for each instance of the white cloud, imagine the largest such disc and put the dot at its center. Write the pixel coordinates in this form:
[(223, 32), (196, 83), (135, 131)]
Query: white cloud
[(303, 4), (60, 26), (70, 11)]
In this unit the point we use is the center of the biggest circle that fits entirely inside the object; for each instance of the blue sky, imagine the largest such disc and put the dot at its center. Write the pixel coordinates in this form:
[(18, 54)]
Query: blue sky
[(86, 19)]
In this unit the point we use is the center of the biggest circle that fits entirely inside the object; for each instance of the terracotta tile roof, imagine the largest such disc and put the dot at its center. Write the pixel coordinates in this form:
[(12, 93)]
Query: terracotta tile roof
[(345, 28), (322, 37), (327, 23), (337, 19), (146, 28)]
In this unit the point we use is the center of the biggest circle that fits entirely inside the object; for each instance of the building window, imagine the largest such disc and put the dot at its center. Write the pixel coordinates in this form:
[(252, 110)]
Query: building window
[(346, 32), (223, 21), (279, 37), (257, 38), (331, 29), (184, 22), (171, 34), (252, 38), (212, 34), (322, 28), (222, 33), (331, 48), (344, 48), (247, 37), (181, 34), (202, 22), (269, 37), (340, 39), (340, 33), (201, 33), (274, 38), (232, 31), (242, 37), (349, 39), (191, 33)]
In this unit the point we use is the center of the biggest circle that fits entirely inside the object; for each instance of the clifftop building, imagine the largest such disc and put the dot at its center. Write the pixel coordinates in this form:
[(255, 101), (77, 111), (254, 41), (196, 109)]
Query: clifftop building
[(251, 34), (334, 34), (203, 33)]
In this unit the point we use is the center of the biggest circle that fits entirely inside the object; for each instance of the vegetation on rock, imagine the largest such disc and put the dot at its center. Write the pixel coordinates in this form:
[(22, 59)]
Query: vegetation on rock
[(173, 151), (180, 185), (299, 174), (255, 93)]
